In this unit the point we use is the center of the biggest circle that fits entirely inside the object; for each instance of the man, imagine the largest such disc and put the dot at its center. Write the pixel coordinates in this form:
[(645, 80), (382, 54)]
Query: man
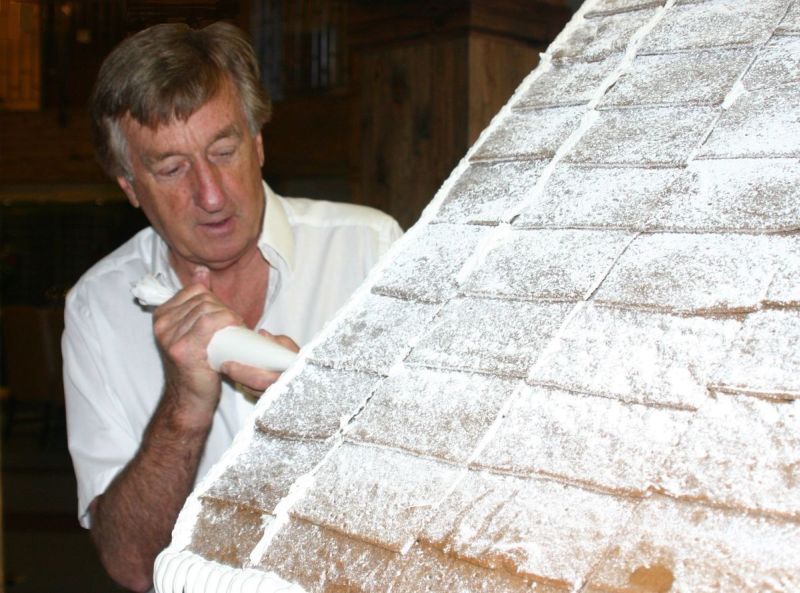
[(178, 115)]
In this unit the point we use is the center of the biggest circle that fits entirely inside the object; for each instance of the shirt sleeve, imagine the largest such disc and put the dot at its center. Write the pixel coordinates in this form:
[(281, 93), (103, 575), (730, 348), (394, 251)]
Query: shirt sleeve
[(390, 233), (101, 441)]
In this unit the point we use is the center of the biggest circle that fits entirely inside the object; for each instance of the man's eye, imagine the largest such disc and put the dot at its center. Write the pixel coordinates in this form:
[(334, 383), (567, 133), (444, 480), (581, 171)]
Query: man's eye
[(170, 168), (224, 153)]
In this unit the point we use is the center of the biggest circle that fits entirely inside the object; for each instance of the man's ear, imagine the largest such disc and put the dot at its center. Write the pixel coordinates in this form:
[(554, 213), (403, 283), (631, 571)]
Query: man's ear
[(127, 187), (260, 149)]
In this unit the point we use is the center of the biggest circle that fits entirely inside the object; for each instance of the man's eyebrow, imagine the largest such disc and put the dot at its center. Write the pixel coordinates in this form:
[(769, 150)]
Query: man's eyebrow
[(152, 158), (231, 131), (227, 132)]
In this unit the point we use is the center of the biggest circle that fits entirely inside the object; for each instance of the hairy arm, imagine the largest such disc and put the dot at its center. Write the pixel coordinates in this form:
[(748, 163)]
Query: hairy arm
[(132, 521)]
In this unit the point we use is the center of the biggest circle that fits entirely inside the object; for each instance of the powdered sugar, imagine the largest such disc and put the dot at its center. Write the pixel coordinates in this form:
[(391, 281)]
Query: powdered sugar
[(637, 356), (686, 547), (584, 439), (542, 529), (721, 458), (692, 273), (547, 264)]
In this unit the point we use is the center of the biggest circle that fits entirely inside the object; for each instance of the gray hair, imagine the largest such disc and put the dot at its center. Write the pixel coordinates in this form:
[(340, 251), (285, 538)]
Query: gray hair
[(167, 72)]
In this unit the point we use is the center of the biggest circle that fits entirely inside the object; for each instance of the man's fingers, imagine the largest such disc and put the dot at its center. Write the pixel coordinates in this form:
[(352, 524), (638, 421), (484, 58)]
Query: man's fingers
[(254, 380), (284, 341)]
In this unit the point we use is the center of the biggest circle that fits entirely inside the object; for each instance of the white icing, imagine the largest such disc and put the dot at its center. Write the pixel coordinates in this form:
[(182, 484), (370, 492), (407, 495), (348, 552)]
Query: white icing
[(151, 291)]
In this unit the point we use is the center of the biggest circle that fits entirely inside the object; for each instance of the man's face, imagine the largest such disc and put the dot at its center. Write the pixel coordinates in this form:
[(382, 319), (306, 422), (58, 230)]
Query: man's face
[(199, 182)]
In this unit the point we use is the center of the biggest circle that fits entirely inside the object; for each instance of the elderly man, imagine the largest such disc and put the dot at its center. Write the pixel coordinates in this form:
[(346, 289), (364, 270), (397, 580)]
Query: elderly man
[(178, 115)]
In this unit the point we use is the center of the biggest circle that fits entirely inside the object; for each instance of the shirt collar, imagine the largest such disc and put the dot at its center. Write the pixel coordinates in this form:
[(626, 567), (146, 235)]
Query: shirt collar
[(276, 232), (276, 242)]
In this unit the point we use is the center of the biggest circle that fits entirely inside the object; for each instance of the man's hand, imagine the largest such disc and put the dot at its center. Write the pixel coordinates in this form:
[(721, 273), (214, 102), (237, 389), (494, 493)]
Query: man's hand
[(183, 327)]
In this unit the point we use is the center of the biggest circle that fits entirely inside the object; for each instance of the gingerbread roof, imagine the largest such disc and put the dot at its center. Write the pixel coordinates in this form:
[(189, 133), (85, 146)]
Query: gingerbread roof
[(580, 370)]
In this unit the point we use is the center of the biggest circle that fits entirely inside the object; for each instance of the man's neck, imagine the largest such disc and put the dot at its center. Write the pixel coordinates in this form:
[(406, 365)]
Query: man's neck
[(241, 286)]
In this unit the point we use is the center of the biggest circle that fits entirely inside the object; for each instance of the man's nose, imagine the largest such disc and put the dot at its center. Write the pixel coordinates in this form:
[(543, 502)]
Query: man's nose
[(209, 194)]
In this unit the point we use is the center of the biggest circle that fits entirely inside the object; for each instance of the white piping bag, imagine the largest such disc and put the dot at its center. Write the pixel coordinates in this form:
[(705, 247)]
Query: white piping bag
[(230, 344)]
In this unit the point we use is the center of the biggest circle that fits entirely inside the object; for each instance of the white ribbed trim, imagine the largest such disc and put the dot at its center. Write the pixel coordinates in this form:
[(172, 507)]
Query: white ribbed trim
[(185, 572)]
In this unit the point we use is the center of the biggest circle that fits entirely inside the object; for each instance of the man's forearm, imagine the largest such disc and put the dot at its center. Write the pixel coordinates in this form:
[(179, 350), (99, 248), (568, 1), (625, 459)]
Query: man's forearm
[(132, 521)]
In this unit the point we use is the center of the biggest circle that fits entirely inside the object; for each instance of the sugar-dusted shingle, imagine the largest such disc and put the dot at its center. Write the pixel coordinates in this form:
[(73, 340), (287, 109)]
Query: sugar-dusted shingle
[(603, 7), (637, 356), (654, 136), (784, 288), (501, 337), (374, 494), (426, 269), (427, 570), (227, 532), (692, 272), (736, 194), (323, 561), (762, 123), (585, 439), (673, 546), (778, 63), (741, 452), (317, 402), (533, 134), (698, 78), (765, 358), (598, 197), (791, 22), (490, 192), (594, 39), (570, 83), (541, 529), (447, 424), (264, 472), (375, 336), (547, 264), (714, 23)]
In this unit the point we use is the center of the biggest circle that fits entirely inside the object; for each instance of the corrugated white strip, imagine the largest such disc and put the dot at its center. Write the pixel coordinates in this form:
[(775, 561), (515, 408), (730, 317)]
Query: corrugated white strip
[(185, 572)]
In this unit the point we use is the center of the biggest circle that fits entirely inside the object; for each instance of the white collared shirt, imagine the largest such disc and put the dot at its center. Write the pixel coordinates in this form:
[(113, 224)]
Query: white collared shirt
[(318, 252)]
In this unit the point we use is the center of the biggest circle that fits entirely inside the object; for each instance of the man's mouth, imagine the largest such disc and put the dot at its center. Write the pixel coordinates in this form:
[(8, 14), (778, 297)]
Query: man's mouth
[(218, 225)]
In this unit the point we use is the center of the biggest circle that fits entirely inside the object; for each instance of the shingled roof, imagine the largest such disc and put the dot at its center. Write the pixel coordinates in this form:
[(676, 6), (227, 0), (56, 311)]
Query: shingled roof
[(580, 370)]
